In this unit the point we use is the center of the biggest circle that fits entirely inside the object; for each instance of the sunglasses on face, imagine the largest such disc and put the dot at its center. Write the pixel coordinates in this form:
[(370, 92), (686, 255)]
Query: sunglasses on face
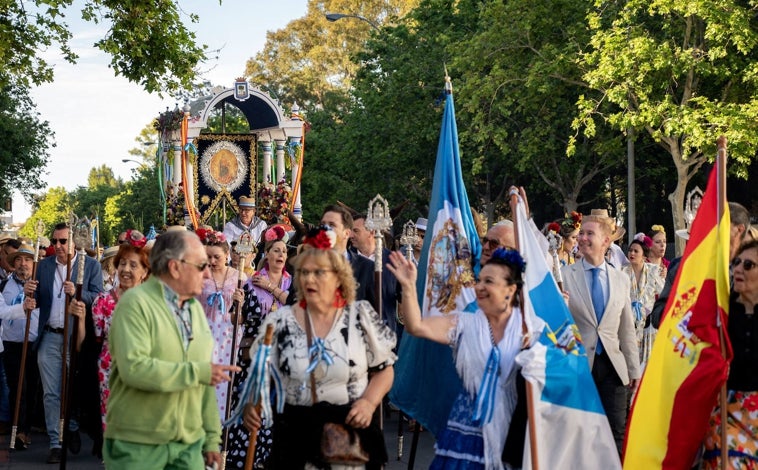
[(200, 267), (319, 273), (55, 241), (747, 265), (494, 244)]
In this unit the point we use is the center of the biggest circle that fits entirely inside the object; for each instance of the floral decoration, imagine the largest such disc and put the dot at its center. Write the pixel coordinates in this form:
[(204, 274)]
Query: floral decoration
[(210, 236), (554, 227), (572, 221), (644, 239), (322, 237), (274, 233), (135, 238), (273, 202), (176, 206), (169, 120), (658, 228)]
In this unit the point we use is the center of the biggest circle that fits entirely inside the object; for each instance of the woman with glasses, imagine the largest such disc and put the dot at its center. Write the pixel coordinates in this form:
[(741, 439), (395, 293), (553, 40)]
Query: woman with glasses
[(742, 384), (334, 357), (132, 267)]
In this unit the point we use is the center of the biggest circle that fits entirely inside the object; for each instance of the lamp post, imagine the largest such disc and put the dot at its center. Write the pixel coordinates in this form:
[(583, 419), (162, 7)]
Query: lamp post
[(338, 16), (127, 160)]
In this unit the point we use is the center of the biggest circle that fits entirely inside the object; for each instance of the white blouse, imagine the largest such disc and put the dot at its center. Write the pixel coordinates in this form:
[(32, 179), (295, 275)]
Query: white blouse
[(358, 342)]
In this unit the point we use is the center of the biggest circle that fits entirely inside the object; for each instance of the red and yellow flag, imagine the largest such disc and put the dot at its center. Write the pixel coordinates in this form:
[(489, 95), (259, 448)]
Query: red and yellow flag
[(686, 368)]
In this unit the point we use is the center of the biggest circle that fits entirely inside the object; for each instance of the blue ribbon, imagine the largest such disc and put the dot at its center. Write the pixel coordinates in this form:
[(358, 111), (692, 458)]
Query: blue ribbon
[(318, 353), (485, 400), (190, 148), (19, 298), (257, 389), (220, 297), (637, 307)]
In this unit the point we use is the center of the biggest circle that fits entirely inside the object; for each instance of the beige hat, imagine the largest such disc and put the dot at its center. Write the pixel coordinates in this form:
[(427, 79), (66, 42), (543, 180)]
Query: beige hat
[(5, 238), (109, 252), (246, 201), (616, 232), (24, 249)]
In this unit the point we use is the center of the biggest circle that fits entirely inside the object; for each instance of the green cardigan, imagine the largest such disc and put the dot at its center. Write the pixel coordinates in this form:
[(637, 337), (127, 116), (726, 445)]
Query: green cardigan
[(159, 392)]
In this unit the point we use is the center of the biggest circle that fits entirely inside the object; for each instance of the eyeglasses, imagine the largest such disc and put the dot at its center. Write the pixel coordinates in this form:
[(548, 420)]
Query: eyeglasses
[(319, 273), (200, 267), (55, 241), (747, 265), (494, 243)]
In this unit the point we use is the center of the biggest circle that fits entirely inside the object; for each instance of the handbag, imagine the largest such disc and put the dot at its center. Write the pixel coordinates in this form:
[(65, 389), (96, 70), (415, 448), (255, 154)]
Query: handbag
[(340, 443)]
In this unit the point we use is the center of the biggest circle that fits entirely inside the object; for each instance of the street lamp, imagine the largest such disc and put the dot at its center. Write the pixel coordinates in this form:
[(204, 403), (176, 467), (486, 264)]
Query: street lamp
[(338, 16), (127, 160)]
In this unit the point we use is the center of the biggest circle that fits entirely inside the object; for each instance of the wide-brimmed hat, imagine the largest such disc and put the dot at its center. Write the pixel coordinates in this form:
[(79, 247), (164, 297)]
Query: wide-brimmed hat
[(109, 252), (617, 232), (5, 238), (421, 223), (246, 201), (24, 249), (683, 233)]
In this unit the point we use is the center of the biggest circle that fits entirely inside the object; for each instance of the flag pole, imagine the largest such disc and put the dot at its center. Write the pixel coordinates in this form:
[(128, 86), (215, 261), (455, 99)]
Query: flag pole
[(529, 397), (721, 156)]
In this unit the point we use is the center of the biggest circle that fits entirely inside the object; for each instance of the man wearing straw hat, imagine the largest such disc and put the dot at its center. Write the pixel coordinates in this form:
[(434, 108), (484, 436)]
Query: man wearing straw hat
[(17, 291), (246, 221), (600, 304)]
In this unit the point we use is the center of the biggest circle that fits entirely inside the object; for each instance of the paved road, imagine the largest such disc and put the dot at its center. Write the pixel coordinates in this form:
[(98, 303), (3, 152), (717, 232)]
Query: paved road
[(34, 457)]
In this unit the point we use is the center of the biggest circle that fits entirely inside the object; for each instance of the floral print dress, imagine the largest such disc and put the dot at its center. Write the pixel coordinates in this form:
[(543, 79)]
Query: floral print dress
[(643, 294), (102, 312), (217, 303)]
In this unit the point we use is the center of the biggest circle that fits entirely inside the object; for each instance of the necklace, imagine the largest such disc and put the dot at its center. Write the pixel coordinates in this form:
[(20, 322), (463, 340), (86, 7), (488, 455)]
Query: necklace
[(226, 272)]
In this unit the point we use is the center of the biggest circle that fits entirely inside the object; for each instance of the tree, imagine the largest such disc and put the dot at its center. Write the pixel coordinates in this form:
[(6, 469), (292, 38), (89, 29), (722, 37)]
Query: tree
[(310, 57), (25, 143), (681, 71), (51, 208), (148, 42)]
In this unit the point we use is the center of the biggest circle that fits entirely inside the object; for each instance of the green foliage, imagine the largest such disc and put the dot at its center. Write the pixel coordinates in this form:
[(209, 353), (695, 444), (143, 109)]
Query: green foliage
[(682, 71), (51, 208), (148, 42), (310, 58), (25, 142)]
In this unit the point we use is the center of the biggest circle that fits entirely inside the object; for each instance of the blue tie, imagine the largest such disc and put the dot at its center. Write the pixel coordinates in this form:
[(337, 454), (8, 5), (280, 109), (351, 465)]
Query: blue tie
[(598, 302)]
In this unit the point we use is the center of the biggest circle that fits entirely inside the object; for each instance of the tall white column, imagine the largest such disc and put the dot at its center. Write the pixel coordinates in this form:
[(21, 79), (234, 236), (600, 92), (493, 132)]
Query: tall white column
[(279, 160), (266, 161), (297, 208)]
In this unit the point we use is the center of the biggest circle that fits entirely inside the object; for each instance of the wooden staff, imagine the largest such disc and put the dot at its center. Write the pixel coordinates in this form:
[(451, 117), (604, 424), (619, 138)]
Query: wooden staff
[(529, 398), (25, 347), (721, 186), (64, 349), (82, 238), (244, 248), (257, 401)]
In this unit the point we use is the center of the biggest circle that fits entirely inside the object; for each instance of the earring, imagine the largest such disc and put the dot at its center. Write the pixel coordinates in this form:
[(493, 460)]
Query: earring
[(339, 300), (507, 297)]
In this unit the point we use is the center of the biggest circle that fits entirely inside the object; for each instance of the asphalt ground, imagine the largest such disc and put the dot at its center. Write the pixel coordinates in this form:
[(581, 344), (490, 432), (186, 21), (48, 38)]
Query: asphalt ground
[(35, 456)]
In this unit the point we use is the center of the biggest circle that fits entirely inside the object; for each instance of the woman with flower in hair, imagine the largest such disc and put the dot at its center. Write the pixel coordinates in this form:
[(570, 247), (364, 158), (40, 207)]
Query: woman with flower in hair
[(658, 250), (219, 291), (265, 292), (132, 268), (646, 284), (485, 345), (334, 357)]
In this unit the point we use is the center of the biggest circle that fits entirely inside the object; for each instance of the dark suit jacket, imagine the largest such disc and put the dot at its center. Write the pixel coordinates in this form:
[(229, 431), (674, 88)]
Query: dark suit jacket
[(363, 272), (391, 292), (92, 285)]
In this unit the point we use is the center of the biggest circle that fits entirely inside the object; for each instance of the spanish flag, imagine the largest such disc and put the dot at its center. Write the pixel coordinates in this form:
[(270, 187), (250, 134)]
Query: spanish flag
[(680, 385)]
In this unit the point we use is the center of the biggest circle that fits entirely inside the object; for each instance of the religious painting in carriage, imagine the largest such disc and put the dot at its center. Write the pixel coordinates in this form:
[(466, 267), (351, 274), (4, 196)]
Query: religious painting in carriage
[(225, 169)]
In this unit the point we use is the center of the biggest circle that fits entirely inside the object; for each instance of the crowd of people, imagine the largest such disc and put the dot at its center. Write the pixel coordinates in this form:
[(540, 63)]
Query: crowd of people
[(168, 332)]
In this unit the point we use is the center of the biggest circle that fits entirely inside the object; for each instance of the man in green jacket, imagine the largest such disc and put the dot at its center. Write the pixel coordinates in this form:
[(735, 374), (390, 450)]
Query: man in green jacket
[(162, 410)]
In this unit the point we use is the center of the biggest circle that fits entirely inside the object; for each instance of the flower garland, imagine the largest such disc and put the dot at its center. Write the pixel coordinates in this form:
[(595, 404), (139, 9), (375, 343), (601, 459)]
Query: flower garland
[(169, 120), (273, 202)]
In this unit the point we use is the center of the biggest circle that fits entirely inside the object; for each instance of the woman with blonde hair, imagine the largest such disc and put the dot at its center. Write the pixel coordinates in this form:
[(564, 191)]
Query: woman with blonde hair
[(657, 252), (334, 356)]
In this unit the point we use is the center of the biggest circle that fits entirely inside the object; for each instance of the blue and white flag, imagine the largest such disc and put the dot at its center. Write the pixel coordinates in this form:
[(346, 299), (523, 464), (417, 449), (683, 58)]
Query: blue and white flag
[(426, 382), (570, 423)]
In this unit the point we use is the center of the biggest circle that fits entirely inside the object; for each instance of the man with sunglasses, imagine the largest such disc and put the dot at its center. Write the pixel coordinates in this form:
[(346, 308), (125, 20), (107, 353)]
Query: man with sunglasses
[(53, 291), (162, 405)]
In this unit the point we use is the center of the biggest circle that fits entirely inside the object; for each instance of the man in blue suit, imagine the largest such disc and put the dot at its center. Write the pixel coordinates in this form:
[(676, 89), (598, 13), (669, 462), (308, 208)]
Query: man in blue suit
[(52, 292)]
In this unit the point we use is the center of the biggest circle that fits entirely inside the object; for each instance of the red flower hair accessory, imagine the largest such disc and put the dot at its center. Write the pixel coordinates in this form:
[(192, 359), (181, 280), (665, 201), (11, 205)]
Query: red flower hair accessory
[(554, 227), (644, 239), (275, 233), (322, 237), (210, 237), (135, 238)]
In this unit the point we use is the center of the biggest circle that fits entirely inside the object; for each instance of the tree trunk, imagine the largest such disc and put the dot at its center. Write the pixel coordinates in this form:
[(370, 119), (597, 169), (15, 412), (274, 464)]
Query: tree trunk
[(677, 197)]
